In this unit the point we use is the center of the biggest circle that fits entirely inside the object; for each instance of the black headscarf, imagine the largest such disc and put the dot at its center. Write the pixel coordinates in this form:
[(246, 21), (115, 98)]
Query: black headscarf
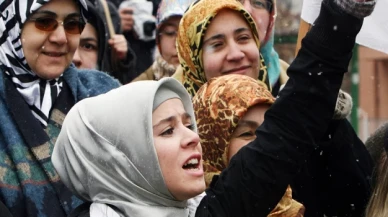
[(96, 18)]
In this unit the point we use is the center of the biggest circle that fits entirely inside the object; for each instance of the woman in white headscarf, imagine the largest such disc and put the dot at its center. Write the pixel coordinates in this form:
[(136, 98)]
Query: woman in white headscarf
[(38, 86), (135, 151), (114, 162)]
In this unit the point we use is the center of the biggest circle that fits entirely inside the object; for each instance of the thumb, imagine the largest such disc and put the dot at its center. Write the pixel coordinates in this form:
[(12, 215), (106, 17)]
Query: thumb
[(344, 105)]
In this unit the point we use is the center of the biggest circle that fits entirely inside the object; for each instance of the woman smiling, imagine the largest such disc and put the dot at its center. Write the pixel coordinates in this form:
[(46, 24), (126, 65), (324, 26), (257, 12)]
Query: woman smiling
[(218, 38)]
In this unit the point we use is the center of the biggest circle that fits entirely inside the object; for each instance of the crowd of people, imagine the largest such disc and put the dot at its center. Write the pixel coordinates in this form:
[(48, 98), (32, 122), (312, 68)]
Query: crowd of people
[(180, 108)]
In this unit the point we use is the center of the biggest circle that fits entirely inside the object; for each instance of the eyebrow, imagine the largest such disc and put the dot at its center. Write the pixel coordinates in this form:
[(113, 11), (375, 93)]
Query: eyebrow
[(220, 36), (88, 39), (252, 124), (240, 30), (46, 12), (214, 37), (170, 119), (171, 24)]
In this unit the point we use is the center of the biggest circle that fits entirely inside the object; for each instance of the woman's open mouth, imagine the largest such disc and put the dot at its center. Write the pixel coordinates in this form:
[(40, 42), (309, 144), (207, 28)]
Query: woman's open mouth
[(192, 164)]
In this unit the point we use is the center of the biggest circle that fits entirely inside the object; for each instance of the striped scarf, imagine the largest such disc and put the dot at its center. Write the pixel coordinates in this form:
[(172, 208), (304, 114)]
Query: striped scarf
[(40, 94)]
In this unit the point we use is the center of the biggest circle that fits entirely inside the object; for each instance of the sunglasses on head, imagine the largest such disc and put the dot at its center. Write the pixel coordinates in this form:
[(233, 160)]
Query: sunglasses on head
[(49, 24)]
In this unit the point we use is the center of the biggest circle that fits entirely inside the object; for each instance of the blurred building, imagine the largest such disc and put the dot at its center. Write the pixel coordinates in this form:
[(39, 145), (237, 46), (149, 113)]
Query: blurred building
[(372, 90), (286, 33), (366, 80), (286, 28)]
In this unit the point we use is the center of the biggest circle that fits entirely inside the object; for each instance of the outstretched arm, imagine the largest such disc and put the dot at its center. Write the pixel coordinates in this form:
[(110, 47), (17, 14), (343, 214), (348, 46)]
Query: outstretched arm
[(259, 173)]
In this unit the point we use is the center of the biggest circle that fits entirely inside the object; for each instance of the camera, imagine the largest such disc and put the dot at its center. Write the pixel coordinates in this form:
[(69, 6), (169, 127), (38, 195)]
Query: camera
[(149, 28), (145, 22)]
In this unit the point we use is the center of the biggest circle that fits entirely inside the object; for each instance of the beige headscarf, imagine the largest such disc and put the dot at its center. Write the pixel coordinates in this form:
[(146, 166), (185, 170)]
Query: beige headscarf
[(192, 29)]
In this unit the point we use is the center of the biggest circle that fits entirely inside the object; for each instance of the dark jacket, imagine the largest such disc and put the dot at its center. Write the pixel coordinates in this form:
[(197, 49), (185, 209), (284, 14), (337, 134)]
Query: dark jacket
[(4, 210), (336, 180), (106, 62), (144, 51), (294, 126)]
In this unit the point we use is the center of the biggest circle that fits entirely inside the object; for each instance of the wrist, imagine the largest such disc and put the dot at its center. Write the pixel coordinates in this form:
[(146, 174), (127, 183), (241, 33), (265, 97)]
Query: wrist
[(357, 8)]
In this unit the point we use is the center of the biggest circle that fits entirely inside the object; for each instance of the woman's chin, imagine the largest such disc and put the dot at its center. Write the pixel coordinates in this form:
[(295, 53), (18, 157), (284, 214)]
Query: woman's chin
[(50, 73)]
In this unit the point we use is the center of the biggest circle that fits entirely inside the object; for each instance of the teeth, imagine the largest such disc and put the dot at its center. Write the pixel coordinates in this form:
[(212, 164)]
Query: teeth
[(192, 161)]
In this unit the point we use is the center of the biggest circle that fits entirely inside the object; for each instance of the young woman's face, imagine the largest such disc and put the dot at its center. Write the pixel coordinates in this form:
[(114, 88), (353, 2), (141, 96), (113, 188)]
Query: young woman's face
[(178, 150), (245, 130), (86, 55), (259, 12), (168, 33), (49, 53), (229, 47)]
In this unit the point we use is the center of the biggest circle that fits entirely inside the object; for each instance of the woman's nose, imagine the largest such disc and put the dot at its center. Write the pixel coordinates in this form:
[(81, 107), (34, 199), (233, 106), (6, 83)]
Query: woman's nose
[(235, 53), (58, 35), (77, 59), (190, 138)]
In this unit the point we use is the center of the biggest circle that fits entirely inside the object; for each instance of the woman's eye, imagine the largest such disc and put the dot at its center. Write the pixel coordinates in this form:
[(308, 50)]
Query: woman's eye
[(168, 132), (247, 134), (171, 33), (259, 4), (191, 126), (88, 46), (244, 38), (216, 45)]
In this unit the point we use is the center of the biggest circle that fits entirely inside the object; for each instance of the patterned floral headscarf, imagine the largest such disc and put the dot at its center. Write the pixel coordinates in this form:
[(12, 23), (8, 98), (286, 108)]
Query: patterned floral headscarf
[(192, 29), (219, 105)]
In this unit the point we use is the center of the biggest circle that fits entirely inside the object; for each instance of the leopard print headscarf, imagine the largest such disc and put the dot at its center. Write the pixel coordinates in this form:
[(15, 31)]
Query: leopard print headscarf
[(192, 29), (218, 106)]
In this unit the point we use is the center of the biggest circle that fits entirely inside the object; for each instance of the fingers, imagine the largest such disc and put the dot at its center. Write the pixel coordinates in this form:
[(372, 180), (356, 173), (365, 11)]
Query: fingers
[(126, 16), (117, 39), (119, 45), (126, 11)]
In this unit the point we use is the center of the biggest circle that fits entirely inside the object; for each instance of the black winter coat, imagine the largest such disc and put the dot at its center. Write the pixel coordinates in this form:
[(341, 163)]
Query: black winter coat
[(294, 127), (336, 180)]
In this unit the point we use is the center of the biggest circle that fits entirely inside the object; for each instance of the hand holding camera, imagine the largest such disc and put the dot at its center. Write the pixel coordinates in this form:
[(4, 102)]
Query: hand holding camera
[(126, 16), (137, 15)]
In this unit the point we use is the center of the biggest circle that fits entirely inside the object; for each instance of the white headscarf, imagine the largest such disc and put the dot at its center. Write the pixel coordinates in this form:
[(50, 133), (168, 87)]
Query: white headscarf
[(40, 94), (105, 152)]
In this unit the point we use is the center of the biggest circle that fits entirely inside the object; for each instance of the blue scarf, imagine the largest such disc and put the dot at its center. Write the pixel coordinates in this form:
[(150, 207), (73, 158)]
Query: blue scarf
[(271, 59), (29, 184)]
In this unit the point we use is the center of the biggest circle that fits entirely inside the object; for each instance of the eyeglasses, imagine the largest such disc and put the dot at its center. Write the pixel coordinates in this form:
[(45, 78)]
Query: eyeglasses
[(48, 24), (260, 4)]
